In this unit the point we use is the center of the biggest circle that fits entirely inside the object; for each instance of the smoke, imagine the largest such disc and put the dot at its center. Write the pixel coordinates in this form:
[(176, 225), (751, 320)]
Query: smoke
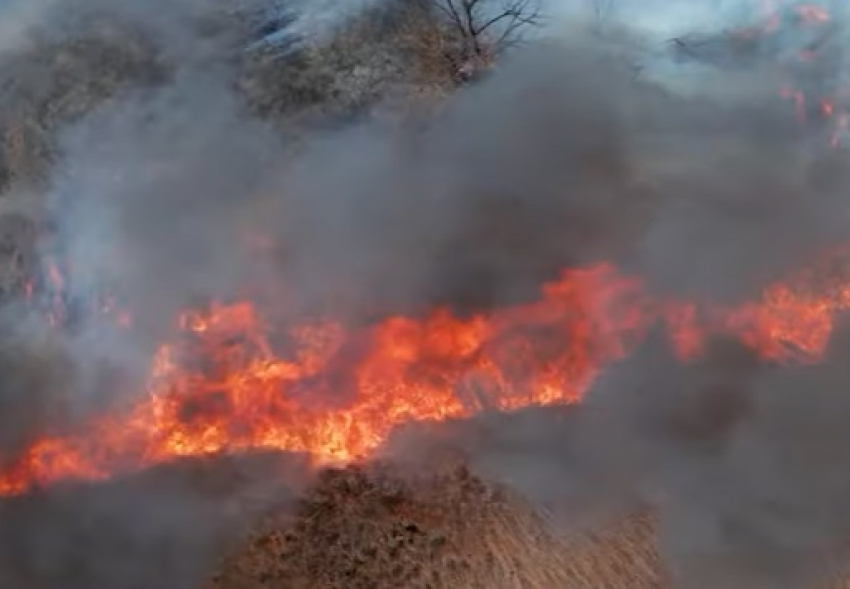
[(562, 156), (317, 19), (19, 18), (162, 177), (165, 527), (475, 209), (741, 462)]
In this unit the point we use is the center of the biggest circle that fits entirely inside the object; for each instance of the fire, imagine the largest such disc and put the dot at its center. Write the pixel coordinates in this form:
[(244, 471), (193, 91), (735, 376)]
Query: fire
[(833, 106), (235, 380), (336, 393)]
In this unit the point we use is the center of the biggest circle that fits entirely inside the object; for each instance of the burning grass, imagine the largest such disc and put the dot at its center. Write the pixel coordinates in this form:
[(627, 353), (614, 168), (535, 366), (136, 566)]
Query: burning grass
[(223, 386), (237, 378)]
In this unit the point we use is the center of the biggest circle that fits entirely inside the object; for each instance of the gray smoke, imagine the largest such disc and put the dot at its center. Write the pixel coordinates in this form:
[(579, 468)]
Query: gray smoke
[(742, 462), (562, 156), (166, 527)]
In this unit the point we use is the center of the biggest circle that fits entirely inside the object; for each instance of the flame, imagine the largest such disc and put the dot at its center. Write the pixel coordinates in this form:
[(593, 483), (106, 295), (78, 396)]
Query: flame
[(834, 107), (335, 392), (229, 383)]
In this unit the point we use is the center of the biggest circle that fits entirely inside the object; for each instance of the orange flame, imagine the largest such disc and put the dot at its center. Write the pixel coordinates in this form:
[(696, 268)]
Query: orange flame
[(831, 109), (337, 393)]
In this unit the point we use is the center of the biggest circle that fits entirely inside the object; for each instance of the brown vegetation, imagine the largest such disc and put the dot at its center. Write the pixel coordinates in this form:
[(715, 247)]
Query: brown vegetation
[(57, 81), (399, 54), (394, 61), (364, 526), (369, 527)]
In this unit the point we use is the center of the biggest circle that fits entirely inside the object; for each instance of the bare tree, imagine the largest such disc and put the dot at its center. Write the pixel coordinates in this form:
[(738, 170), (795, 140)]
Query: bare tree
[(488, 27)]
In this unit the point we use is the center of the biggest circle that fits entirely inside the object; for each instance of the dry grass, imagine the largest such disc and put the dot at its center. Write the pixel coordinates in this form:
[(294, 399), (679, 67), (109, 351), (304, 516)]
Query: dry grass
[(18, 249), (60, 79), (372, 528), (396, 54), (360, 526)]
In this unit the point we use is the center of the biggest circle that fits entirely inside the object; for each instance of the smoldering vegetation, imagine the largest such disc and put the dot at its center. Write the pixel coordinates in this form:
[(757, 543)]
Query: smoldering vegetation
[(158, 191)]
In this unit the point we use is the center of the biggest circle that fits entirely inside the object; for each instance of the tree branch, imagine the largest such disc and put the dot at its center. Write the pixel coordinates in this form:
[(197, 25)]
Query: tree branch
[(468, 16), (448, 8)]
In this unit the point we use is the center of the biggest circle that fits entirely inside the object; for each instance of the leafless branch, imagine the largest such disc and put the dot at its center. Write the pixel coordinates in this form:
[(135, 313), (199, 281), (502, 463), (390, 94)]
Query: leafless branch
[(521, 14), (449, 10), (476, 19)]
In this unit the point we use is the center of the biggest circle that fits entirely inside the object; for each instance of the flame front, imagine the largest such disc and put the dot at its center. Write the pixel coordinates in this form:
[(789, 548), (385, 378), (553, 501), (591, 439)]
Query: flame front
[(228, 384), (337, 393)]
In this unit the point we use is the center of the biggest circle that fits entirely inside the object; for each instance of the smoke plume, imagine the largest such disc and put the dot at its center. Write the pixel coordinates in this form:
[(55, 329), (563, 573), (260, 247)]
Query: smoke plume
[(562, 156)]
